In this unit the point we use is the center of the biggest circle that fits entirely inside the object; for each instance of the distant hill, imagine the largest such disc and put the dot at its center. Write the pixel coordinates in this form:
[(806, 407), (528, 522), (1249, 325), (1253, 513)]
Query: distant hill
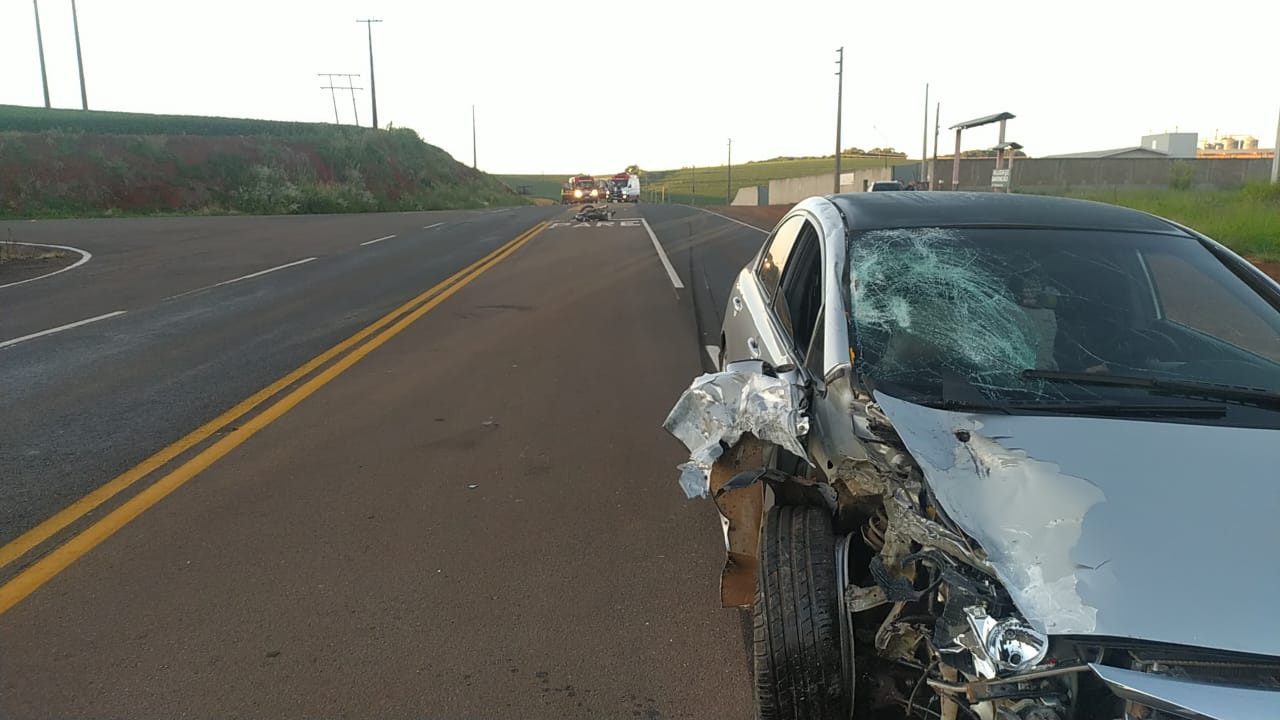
[(77, 163), (708, 185)]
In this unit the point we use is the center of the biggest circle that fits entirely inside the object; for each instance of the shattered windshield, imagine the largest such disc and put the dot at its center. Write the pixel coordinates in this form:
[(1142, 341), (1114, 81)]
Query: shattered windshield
[(949, 314)]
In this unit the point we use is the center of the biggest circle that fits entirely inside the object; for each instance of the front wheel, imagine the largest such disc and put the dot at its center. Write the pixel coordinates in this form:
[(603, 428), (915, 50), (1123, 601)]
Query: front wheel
[(799, 673)]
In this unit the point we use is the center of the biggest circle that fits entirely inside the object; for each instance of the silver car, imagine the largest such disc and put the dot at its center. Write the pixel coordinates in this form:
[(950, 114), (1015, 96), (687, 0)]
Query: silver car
[(997, 456)]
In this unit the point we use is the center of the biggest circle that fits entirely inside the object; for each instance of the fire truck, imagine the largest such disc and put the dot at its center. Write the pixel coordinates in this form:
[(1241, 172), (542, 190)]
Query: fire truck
[(580, 189)]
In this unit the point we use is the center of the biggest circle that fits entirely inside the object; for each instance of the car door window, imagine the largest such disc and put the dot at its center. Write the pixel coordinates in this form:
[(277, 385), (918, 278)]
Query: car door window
[(798, 304), (776, 253)]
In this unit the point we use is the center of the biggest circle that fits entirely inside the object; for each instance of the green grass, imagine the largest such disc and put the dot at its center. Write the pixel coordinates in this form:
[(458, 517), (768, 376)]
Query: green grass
[(708, 185), (1246, 220), (33, 119), (242, 166), (543, 186)]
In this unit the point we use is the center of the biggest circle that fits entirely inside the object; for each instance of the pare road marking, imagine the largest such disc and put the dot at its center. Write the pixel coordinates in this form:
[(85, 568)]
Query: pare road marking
[(597, 224)]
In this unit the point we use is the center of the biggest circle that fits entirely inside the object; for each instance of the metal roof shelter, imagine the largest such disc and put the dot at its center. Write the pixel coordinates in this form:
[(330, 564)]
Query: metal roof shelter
[(1130, 152), (1001, 118), (979, 122)]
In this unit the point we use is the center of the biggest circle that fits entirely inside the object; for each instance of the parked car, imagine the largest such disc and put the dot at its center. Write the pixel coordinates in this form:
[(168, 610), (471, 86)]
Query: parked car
[(1023, 457), (882, 185)]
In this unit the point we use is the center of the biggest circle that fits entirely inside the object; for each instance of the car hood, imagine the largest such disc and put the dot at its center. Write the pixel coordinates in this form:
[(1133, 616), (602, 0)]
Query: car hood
[(1163, 532)]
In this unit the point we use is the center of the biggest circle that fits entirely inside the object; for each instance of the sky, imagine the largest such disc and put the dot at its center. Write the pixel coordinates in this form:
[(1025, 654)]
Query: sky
[(594, 87)]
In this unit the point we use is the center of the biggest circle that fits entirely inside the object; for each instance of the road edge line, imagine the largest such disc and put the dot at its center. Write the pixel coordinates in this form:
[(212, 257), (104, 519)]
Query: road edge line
[(662, 255), (60, 328), (732, 220), (85, 256), (54, 524)]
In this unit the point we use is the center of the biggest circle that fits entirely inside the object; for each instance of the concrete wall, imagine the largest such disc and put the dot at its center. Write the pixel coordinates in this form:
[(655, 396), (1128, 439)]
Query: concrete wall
[(793, 190), (1029, 175), (747, 196), (1051, 175), (859, 180)]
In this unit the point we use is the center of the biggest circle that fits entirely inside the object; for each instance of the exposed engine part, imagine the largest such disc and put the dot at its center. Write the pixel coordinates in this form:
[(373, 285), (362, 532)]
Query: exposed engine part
[(860, 599), (1031, 710), (1022, 685), (875, 528), (898, 638)]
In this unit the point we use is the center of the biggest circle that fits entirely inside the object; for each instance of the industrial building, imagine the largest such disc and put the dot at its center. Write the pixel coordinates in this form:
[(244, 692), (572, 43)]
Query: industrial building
[(1180, 145)]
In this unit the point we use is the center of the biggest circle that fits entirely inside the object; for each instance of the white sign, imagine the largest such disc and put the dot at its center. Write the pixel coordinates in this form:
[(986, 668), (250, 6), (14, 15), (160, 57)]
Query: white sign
[(1000, 178)]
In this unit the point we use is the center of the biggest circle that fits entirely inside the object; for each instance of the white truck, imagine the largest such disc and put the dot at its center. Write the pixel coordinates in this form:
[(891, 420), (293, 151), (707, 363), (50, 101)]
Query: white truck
[(624, 187)]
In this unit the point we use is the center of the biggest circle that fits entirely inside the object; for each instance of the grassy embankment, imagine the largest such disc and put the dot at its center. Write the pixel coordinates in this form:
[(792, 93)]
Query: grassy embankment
[(61, 163), (1247, 220)]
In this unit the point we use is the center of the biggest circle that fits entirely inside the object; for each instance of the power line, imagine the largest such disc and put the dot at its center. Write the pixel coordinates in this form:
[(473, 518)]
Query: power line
[(373, 85)]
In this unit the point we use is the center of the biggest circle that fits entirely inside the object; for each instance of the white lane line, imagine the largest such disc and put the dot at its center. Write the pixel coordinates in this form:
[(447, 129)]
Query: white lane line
[(713, 352), (60, 328), (264, 272), (428, 227), (662, 255), (370, 242), (85, 255), (732, 220)]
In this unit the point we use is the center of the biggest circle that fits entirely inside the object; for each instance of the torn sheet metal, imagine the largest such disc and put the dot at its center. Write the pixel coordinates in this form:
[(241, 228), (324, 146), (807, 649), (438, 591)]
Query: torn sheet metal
[(1087, 519), (742, 515), (719, 408), (1025, 513)]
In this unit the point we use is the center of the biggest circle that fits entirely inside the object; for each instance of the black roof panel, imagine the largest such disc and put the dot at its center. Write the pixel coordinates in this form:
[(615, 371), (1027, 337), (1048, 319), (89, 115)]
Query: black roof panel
[(874, 210)]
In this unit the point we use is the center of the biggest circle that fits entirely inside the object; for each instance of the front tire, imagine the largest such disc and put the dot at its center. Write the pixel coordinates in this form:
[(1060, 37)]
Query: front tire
[(798, 666)]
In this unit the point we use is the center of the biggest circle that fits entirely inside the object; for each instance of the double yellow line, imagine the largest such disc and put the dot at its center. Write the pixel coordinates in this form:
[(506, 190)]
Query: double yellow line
[(30, 579)]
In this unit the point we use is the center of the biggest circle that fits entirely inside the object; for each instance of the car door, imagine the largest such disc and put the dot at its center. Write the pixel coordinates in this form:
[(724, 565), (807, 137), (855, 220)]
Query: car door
[(752, 328)]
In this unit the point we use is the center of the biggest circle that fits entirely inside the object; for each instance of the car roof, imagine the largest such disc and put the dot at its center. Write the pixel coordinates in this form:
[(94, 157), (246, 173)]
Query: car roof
[(873, 211)]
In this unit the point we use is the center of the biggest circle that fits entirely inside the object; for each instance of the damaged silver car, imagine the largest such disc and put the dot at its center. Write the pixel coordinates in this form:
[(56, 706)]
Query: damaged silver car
[(997, 456)]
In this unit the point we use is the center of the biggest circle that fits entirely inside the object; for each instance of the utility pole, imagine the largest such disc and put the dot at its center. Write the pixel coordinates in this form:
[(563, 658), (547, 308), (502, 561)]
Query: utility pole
[(332, 88), (355, 112), (924, 140), (1275, 158), (937, 127), (373, 84), (839, 111), (75, 23), (44, 77), (728, 183), (473, 138), (333, 95), (693, 181)]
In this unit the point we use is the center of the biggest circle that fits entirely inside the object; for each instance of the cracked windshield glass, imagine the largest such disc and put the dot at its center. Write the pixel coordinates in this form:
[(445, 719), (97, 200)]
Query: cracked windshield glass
[(988, 308), (659, 360)]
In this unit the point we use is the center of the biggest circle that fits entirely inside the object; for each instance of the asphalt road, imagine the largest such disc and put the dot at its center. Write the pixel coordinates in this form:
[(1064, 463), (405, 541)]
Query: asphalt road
[(233, 498)]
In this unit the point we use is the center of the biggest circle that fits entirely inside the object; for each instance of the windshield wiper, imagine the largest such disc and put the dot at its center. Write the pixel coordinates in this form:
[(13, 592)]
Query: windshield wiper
[(963, 406), (1122, 409), (1186, 388)]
